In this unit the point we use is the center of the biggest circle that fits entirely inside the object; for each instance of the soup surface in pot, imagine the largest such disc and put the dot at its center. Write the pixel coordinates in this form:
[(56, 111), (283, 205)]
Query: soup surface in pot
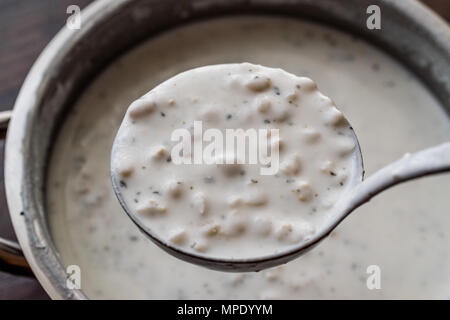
[(401, 236)]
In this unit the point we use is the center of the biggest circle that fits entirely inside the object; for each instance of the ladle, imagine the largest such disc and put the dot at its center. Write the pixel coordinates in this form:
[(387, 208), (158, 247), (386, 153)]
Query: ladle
[(423, 163)]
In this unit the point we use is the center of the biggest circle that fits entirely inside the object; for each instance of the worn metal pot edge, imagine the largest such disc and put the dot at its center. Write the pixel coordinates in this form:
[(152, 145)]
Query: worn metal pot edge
[(31, 233)]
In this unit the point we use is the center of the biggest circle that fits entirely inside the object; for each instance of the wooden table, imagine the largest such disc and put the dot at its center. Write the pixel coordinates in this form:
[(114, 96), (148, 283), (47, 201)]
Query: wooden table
[(26, 26)]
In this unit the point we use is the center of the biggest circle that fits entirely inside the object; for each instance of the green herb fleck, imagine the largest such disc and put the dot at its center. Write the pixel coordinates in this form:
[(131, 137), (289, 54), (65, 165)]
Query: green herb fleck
[(209, 179), (277, 91)]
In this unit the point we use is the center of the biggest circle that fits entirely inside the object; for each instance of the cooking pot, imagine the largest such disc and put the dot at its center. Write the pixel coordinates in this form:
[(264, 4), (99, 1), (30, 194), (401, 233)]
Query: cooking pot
[(410, 31)]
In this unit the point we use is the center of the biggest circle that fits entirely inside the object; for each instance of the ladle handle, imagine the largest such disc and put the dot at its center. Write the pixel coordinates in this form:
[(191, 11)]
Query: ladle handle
[(12, 259), (5, 116), (411, 166)]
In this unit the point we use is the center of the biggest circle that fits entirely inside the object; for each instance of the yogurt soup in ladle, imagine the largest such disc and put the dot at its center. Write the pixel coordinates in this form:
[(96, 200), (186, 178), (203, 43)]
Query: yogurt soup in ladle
[(240, 167)]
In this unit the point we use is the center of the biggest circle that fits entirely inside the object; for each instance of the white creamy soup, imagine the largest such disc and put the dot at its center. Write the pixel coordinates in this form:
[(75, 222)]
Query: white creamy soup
[(234, 160), (403, 231)]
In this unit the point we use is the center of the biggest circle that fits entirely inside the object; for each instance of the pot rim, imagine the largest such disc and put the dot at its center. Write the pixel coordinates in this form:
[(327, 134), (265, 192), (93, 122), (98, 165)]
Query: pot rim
[(29, 231)]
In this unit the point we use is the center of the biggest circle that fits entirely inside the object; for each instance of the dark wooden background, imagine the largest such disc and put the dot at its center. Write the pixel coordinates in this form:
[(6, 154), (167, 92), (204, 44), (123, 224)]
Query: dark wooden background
[(26, 26)]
